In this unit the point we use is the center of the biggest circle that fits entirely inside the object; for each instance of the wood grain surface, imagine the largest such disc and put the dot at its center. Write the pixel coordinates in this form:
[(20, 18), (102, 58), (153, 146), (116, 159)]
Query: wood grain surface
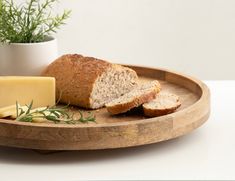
[(126, 130)]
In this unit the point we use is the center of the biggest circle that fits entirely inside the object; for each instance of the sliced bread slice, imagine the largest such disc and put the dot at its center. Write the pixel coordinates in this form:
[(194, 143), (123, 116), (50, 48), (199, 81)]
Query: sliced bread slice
[(138, 96), (164, 103)]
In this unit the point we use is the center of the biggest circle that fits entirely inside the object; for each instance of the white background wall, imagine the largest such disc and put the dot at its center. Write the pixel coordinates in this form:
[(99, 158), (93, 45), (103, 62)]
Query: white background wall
[(192, 36), (196, 37)]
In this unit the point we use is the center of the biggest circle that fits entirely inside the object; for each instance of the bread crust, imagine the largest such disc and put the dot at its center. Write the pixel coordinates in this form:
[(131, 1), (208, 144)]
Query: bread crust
[(150, 112), (159, 112), (75, 77), (136, 102)]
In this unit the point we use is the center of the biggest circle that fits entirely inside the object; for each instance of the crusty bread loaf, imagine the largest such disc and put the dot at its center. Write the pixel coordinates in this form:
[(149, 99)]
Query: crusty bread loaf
[(164, 103), (142, 94), (89, 82)]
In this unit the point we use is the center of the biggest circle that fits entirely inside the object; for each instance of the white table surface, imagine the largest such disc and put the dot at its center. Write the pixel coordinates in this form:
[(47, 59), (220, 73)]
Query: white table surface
[(206, 153)]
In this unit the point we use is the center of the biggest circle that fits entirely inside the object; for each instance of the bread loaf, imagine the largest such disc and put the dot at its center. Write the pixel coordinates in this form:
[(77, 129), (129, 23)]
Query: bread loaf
[(89, 82), (142, 94), (163, 104)]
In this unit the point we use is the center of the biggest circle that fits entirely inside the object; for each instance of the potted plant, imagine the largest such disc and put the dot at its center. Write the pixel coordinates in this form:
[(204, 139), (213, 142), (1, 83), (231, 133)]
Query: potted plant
[(26, 42)]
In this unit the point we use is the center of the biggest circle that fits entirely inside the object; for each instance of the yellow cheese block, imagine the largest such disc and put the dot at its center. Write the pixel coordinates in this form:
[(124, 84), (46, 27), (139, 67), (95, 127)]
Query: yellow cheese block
[(40, 90)]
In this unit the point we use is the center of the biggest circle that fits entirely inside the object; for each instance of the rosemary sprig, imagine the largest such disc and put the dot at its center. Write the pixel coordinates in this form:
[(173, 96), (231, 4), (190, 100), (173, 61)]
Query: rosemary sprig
[(53, 114), (29, 22)]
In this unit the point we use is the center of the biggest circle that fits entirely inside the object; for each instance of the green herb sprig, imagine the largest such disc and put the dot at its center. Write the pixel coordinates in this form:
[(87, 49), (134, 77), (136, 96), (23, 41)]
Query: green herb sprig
[(54, 114), (30, 22)]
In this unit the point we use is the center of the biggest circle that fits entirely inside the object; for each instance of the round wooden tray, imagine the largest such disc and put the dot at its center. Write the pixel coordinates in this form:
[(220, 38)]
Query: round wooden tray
[(131, 129)]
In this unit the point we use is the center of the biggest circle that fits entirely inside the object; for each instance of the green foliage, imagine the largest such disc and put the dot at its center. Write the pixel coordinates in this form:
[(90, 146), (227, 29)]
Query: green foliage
[(30, 22), (54, 114)]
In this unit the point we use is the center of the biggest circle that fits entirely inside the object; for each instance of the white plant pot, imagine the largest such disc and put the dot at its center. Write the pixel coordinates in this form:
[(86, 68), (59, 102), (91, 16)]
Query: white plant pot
[(27, 59)]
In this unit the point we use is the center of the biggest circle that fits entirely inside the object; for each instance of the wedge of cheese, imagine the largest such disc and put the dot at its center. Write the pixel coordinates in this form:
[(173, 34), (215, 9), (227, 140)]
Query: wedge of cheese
[(10, 111), (40, 90), (7, 111)]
